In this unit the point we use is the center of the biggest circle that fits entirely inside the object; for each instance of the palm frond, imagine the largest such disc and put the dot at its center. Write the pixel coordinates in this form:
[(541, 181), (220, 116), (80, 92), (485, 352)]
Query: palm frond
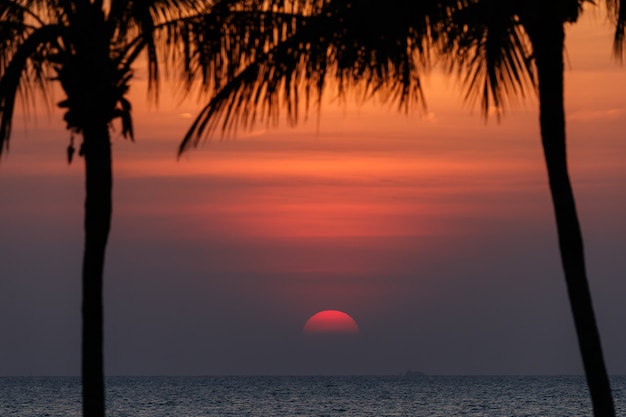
[(363, 49), (23, 73), (40, 12), (140, 20), (490, 54), (199, 42), (14, 28), (210, 48), (617, 13)]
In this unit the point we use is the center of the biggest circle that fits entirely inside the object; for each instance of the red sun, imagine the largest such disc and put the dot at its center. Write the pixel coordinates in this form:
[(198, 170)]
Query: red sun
[(330, 322)]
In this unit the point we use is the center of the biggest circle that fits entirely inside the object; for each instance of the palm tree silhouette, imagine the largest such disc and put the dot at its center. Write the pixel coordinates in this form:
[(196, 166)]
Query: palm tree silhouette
[(482, 56), (499, 49), (89, 48)]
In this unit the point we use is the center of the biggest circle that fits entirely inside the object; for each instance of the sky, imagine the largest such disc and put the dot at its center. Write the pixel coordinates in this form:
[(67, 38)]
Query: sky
[(434, 231)]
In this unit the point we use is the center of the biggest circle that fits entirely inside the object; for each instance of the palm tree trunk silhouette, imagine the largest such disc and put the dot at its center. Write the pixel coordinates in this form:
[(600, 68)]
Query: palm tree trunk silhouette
[(548, 39), (98, 209), (89, 48)]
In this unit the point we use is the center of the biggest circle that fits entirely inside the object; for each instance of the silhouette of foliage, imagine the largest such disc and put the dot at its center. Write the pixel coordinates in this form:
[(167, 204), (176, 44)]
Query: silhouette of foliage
[(89, 48), (349, 46), (490, 54)]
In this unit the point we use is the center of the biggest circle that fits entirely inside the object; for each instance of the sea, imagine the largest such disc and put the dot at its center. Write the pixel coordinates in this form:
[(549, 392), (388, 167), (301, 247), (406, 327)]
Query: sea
[(319, 396)]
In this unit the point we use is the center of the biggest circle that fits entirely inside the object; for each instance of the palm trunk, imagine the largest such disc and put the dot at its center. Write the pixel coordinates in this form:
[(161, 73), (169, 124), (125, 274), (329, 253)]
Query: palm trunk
[(97, 224), (548, 43)]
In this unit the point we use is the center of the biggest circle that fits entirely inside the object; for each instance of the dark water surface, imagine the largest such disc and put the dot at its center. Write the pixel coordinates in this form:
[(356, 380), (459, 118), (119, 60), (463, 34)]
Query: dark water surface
[(433, 396)]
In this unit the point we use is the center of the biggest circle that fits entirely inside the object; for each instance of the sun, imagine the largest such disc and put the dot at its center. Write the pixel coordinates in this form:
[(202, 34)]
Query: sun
[(330, 322)]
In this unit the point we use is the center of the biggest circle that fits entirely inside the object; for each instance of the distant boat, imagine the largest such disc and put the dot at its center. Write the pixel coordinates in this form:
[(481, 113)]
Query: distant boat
[(412, 374)]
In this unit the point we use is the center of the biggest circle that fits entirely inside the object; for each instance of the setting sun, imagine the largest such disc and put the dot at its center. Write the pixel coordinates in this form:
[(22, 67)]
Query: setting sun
[(330, 322)]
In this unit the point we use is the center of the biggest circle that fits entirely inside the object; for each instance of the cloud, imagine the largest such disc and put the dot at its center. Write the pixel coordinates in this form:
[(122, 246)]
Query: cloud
[(586, 115)]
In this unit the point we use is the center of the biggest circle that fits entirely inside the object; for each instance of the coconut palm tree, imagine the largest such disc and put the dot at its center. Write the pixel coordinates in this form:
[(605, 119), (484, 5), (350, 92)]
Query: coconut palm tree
[(88, 48), (479, 54), (500, 50)]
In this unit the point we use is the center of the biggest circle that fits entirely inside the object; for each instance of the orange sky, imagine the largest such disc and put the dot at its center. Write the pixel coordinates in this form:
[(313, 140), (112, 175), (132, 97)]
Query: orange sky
[(374, 213)]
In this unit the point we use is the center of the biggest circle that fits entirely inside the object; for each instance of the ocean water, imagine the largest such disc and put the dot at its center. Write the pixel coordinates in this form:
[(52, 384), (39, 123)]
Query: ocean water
[(360, 396)]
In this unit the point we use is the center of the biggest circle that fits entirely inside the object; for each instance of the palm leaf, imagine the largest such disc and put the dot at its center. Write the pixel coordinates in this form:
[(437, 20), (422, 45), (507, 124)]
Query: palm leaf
[(219, 43), (23, 74), (490, 54), (617, 12), (363, 49)]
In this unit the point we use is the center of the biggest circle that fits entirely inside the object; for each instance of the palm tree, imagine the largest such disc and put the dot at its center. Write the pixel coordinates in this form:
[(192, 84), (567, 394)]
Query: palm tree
[(499, 49), (482, 55), (89, 47)]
